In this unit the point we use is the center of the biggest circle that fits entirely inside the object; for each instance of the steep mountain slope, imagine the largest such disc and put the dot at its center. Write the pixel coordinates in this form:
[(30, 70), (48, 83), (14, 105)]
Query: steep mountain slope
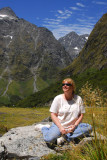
[(73, 43), (30, 56), (91, 66), (94, 53)]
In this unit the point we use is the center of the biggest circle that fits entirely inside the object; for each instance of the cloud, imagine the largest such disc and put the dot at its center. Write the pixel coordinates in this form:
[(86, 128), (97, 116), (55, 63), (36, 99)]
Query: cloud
[(80, 4), (60, 16), (100, 2), (52, 21), (82, 24), (64, 22), (59, 11), (60, 30), (74, 8), (63, 14)]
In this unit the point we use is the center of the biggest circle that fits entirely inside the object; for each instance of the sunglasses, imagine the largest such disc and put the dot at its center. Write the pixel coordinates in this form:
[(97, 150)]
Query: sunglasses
[(67, 84)]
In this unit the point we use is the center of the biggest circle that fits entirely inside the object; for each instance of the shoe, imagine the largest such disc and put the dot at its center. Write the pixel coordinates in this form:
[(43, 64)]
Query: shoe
[(60, 140), (38, 127)]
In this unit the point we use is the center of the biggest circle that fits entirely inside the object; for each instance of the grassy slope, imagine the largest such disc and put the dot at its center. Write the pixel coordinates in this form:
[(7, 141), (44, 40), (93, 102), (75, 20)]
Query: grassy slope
[(95, 77)]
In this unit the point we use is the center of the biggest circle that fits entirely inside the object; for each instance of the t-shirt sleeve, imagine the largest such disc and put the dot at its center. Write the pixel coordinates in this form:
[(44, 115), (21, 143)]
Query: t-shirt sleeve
[(82, 108), (55, 105)]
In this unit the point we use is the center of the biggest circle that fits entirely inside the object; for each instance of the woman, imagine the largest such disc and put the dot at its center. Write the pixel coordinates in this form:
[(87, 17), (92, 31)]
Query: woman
[(67, 112)]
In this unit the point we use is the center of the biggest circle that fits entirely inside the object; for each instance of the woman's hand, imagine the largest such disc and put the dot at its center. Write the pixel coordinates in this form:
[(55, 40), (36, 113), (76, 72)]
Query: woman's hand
[(63, 130), (71, 128)]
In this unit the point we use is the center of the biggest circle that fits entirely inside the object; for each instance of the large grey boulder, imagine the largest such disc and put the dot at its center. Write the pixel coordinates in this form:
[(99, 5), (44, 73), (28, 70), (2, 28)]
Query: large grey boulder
[(24, 142), (28, 144)]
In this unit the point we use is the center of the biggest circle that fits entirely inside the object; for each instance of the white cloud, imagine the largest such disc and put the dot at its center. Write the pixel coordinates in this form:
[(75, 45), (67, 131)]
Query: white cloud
[(63, 23), (80, 4), (52, 21), (59, 11), (63, 14), (60, 17), (74, 8), (61, 30), (100, 2)]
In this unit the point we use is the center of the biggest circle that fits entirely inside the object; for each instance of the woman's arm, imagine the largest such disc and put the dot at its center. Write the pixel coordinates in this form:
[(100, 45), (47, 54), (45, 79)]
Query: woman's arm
[(56, 121), (79, 119), (72, 127)]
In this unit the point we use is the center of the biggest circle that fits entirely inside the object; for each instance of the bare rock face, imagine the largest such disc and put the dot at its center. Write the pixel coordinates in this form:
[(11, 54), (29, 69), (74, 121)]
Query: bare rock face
[(73, 43)]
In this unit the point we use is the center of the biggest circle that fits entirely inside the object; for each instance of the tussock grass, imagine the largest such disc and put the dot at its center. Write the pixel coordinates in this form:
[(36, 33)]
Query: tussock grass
[(95, 102)]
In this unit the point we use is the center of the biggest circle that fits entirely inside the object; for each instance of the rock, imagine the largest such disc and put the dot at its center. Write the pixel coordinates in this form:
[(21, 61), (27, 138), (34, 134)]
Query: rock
[(73, 43), (28, 144), (89, 139), (24, 142), (48, 119)]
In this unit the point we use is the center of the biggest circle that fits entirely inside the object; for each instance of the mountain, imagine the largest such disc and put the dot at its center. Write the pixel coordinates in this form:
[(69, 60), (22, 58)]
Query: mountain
[(73, 43), (94, 52), (90, 65), (30, 57)]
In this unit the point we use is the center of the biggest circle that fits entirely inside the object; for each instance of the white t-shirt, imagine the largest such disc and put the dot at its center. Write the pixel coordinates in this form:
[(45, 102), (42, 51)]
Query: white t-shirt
[(68, 111)]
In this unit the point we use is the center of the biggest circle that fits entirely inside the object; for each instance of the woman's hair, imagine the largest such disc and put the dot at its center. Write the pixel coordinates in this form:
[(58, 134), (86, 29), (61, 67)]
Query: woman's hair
[(69, 80)]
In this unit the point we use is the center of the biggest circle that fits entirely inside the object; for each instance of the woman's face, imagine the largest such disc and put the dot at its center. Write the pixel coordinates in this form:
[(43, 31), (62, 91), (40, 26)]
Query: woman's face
[(66, 87)]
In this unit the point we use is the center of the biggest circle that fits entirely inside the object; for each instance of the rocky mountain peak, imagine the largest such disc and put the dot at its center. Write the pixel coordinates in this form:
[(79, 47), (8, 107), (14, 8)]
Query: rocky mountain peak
[(7, 12), (73, 43)]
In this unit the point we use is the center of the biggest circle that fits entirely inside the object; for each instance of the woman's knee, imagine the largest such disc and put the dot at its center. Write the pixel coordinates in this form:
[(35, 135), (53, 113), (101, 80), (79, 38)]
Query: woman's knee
[(84, 127), (52, 137), (49, 139), (51, 134)]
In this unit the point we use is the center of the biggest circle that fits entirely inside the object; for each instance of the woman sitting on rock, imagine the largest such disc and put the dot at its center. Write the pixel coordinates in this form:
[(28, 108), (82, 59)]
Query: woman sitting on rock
[(67, 111)]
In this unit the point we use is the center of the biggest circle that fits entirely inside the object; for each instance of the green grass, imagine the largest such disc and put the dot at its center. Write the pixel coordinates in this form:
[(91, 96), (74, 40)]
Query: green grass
[(97, 150), (15, 117), (3, 84), (22, 88), (41, 83)]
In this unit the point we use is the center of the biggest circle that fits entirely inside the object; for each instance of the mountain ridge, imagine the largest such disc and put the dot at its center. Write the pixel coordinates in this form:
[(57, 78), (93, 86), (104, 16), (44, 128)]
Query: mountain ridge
[(30, 56), (73, 43)]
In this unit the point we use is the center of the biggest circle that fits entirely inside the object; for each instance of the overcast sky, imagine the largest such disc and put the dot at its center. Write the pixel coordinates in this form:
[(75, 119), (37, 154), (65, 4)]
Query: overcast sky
[(59, 16)]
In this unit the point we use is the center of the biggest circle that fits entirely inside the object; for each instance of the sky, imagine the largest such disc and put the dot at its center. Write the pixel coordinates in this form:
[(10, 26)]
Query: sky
[(59, 16)]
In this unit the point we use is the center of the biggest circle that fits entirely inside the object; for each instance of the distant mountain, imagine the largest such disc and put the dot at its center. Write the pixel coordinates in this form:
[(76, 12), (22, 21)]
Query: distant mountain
[(73, 43), (94, 53), (30, 56)]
